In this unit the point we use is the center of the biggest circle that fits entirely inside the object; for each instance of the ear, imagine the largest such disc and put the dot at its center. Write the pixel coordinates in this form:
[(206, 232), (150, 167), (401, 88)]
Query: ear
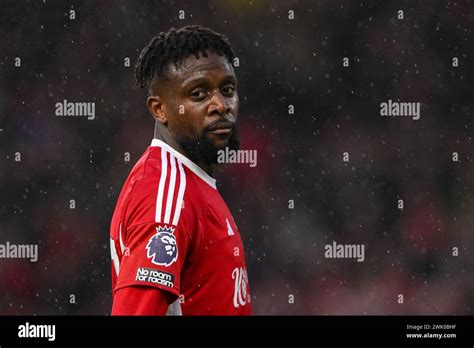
[(157, 109)]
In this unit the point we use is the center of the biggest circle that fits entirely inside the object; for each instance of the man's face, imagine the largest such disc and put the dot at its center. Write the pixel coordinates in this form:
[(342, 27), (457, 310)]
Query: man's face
[(201, 104)]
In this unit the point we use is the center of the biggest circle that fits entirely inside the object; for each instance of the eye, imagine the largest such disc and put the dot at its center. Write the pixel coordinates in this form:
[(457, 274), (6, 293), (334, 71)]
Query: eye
[(198, 94), (228, 90)]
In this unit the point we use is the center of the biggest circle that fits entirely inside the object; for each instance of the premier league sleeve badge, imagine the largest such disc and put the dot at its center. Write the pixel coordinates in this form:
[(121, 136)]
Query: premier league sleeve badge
[(162, 248)]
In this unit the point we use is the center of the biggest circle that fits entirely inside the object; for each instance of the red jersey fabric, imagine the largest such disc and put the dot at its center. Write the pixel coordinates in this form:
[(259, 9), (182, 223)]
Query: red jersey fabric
[(141, 300), (172, 231)]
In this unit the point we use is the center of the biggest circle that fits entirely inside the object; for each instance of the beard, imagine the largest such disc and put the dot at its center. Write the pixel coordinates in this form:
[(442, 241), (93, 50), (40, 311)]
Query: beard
[(201, 149)]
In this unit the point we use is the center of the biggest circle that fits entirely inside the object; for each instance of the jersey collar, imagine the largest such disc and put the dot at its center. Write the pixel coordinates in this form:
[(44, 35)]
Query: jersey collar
[(187, 162)]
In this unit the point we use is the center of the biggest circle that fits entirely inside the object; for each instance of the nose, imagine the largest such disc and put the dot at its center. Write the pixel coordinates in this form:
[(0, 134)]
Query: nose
[(218, 104)]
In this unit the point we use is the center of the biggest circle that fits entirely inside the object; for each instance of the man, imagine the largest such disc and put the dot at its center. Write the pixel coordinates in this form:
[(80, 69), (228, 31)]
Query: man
[(175, 246)]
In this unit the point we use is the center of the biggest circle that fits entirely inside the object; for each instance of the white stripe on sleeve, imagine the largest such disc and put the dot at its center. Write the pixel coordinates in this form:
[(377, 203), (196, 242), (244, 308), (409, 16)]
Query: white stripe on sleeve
[(169, 200), (182, 188), (161, 188), (114, 255), (122, 246)]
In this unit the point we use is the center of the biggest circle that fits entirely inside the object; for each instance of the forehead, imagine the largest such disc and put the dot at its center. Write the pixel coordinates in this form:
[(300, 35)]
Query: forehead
[(191, 68)]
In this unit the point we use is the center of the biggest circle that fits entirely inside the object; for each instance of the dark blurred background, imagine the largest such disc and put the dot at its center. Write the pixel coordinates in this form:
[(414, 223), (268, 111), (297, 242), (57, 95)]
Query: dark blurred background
[(300, 156)]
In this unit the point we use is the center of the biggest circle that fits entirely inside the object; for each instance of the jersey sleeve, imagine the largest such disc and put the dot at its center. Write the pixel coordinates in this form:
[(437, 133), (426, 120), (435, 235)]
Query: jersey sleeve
[(141, 300), (156, 226), (154, 255)]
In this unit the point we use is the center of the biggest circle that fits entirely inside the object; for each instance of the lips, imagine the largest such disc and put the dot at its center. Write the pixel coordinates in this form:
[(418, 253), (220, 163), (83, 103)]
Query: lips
[(221, 128), (221, 131)]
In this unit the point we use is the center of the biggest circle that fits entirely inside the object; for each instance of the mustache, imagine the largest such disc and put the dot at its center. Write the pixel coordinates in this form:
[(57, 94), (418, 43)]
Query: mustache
[(219, 125)]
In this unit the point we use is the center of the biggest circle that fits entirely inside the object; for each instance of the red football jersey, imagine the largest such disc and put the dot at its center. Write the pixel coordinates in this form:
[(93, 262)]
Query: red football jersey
[(171, 230)]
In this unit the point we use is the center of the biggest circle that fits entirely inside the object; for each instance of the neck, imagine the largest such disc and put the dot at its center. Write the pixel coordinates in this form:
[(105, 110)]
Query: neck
[(162, 133)]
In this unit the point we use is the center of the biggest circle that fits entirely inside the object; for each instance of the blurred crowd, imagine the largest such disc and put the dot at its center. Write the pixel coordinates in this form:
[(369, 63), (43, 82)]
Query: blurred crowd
[(300, 197)]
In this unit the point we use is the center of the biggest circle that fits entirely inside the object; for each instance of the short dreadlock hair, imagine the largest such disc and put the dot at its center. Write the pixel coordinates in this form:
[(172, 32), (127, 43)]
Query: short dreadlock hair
[(176, 45)]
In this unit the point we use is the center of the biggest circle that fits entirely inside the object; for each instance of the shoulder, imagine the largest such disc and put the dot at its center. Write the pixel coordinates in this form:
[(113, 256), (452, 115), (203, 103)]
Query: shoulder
[(159, 190)]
